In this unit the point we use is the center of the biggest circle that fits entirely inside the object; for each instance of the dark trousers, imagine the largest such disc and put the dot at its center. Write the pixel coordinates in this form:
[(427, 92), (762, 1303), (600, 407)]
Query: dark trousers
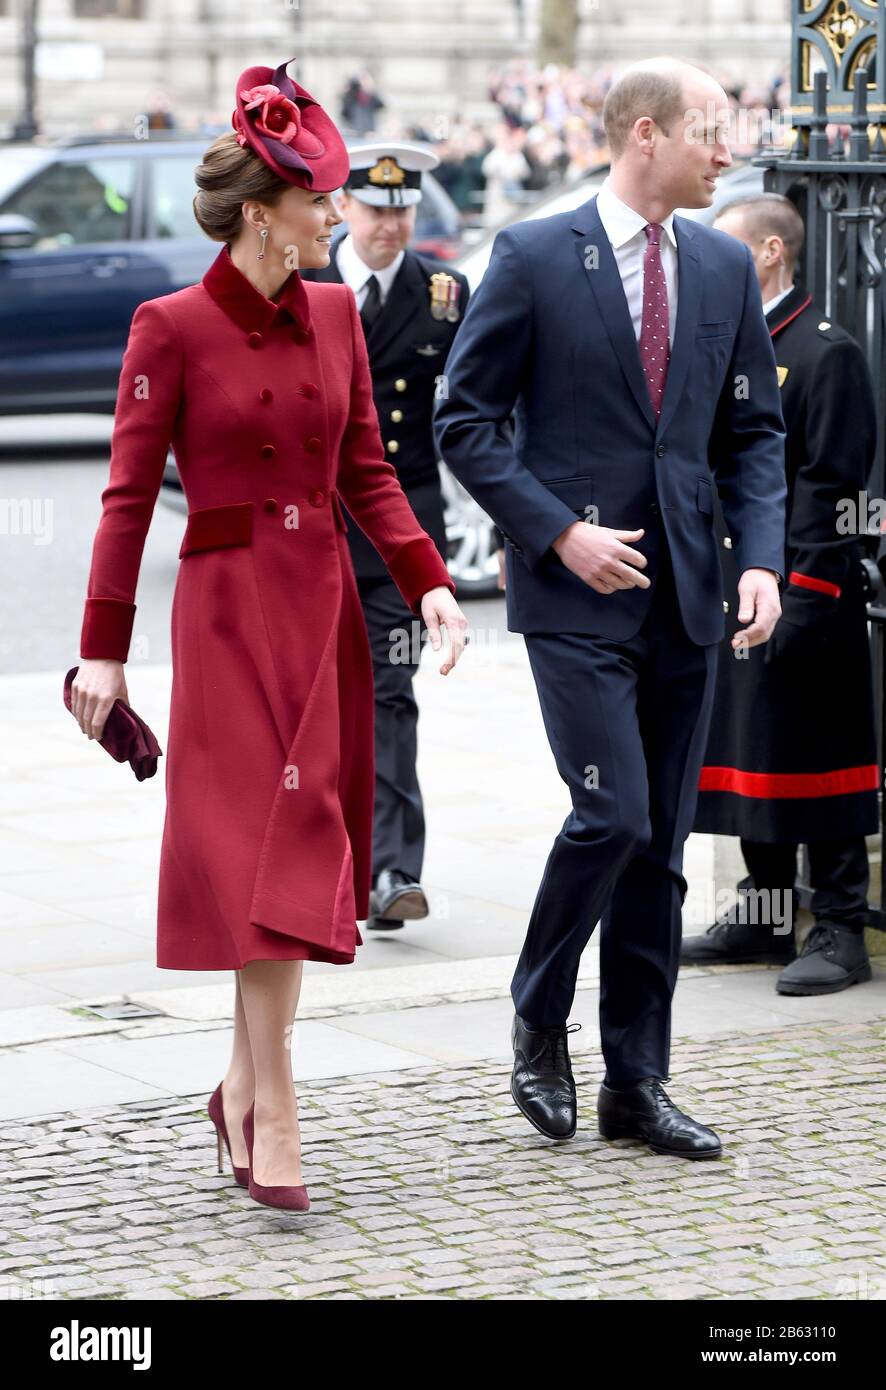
[(838, 875), (627, 723), (398, 831)]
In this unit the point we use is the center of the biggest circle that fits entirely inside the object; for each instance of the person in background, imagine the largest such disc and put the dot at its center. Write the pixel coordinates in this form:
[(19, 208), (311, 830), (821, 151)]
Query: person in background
[(792, 752), (410, 307)]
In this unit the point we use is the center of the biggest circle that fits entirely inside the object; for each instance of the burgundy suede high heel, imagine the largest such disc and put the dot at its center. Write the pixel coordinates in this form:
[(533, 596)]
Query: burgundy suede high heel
[(217, 1116), (290, 1198)]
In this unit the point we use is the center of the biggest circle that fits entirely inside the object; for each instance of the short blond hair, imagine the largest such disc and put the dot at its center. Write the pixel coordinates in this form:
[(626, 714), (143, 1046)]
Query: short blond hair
[(641, 92)]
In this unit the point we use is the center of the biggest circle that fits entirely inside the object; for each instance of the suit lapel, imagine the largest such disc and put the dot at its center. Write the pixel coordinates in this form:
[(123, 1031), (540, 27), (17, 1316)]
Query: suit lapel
[(605, 284), (688, 296)]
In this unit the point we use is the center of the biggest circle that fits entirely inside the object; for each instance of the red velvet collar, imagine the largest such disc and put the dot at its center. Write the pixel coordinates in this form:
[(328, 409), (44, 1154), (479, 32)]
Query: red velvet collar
[(248, 307)]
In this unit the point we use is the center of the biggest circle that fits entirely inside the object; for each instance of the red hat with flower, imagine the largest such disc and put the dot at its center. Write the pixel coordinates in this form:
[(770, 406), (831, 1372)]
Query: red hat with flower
[(289, 130)]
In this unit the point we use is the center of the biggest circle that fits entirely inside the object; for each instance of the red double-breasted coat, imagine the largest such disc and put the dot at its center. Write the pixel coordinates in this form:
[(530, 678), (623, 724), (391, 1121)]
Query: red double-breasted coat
[(266, 850)]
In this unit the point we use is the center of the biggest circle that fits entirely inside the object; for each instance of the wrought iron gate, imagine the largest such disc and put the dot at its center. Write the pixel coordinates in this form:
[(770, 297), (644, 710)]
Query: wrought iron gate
[(838, 182)]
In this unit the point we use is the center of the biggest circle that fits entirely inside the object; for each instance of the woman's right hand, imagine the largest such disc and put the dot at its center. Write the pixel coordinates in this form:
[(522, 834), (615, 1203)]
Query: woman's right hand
[(96, 686)]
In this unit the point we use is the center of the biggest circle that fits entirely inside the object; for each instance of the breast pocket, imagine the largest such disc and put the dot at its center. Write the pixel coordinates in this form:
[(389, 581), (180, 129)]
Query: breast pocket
[(723, 328)]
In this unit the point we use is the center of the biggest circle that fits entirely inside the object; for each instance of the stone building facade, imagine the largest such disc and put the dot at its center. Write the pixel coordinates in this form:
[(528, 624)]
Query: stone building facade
[(102, 63)]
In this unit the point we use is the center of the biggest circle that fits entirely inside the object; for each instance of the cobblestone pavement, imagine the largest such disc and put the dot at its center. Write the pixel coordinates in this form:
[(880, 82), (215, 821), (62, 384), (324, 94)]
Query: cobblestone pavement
[(429, 1184)]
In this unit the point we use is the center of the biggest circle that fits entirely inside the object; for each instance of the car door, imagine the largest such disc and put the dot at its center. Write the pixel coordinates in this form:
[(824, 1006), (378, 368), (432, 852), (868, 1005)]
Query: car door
[(172, 236), (66, 303)]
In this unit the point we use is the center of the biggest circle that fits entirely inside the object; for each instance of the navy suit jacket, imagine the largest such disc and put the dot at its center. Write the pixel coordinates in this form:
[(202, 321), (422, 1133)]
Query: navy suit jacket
[(548, 339)]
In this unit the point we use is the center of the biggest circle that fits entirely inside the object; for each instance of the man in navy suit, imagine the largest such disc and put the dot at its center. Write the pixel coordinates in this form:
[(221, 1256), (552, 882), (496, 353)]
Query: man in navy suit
[(631, 348)]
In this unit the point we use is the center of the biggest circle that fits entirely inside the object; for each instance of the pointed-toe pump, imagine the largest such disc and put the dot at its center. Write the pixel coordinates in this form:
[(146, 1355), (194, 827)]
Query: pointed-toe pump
[(217, 1116), (289, 1198)]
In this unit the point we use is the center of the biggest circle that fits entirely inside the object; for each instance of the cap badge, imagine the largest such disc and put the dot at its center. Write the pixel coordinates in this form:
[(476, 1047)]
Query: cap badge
[(386, 173)]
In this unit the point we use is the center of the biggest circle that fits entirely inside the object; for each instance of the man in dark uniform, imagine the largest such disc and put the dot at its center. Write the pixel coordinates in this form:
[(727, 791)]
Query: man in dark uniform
[(791, 757), (410, 306)]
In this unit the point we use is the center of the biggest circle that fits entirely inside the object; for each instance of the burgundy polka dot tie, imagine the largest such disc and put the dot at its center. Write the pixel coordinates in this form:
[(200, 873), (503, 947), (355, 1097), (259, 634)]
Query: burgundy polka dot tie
[(655, 348)]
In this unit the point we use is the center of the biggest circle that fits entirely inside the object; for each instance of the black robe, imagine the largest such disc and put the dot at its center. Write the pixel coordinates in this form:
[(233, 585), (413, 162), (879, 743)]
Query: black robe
[(791, 755)]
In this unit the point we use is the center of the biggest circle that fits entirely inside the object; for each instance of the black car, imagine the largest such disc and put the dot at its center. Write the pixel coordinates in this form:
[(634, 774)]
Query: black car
[(88, 230)]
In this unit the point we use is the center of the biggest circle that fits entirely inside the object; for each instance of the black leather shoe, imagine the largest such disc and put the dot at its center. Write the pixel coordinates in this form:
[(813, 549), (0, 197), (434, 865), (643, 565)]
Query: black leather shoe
[(542, 1083), (646, 1111), (396, 898), (832, 958), (739, 938)]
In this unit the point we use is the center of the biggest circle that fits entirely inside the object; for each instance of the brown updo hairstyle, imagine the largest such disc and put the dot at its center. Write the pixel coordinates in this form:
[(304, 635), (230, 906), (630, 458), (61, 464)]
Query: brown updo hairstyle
[(229, 175)]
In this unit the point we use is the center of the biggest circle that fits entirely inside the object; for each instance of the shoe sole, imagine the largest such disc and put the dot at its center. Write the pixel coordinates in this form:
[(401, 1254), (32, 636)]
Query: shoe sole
[(557, 1138), (384, 924), (409, 907), (611, 1134), (857, 977)]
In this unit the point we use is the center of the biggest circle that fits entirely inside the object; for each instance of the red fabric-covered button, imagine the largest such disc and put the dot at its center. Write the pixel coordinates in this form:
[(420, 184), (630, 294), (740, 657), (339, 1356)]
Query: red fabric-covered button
[(266, 394), (300, 335), (308, 389), (317, 498), (313, 444), (267, 451), (270, 504), (254, 340)]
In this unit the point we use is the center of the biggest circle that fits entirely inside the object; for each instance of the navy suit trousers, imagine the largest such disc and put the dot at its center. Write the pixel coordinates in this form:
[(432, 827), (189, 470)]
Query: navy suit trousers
[(627, 722)]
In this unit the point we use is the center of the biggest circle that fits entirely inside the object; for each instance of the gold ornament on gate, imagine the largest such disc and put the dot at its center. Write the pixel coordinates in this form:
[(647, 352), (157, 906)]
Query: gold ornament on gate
[(444, 297)]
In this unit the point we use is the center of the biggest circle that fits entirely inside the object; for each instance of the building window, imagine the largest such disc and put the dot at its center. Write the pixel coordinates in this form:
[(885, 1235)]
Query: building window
[(109, 9)]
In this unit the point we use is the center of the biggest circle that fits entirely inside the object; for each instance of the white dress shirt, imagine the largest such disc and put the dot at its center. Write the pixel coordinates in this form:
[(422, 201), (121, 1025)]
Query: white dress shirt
[(776, 299), (624, 228), (355, 272)]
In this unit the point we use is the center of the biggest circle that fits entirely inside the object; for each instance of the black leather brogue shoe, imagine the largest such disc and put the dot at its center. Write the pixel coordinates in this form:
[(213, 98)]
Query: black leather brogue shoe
[(542, 1083), (645, 1111)]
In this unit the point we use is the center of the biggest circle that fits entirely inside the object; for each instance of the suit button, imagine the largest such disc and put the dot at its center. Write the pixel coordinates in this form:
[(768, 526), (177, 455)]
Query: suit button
[(254, 340), (399, 384), (308, 389), (654, 508), (313, 444), (392, 446), (725, 606), (396, 416), (270, 504), (266, 394), (727, 542), (661, 451), (267, 451), (317, 498)]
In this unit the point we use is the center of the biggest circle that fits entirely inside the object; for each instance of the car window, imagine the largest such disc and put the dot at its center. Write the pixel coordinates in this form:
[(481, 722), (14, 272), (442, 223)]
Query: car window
[(18, 163), (173, 190), (73, 203)]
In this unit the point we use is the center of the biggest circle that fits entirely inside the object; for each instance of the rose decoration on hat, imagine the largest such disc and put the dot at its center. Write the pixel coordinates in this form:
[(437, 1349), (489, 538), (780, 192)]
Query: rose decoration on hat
[(279, 119), (282, 123)]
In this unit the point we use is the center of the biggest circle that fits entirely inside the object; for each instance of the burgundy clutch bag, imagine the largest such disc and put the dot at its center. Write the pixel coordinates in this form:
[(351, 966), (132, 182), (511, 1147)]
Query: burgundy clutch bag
[(125, 736)]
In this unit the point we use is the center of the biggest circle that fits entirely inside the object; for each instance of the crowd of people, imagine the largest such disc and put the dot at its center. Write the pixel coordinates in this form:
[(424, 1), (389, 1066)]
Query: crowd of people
[(548, 130)]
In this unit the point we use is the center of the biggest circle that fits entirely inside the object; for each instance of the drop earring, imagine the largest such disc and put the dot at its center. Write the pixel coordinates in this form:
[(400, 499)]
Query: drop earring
[(264, 237)]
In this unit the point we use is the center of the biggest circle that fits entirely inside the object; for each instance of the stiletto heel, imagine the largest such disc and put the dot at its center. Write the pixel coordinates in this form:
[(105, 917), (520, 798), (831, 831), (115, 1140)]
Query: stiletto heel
[(216, 1113), (289, 1198)]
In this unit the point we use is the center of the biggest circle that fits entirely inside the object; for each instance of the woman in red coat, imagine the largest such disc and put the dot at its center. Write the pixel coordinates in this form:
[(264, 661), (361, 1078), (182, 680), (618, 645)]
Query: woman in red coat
[(261, 383)]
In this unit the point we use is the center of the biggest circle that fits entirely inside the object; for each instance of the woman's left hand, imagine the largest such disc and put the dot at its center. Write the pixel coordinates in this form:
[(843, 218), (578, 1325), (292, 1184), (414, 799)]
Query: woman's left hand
[(438, 606)]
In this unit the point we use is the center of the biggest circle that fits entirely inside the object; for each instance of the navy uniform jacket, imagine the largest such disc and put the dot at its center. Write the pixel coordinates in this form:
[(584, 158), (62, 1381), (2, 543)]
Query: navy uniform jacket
[(548, 335), (407, 349), (791, 754)]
